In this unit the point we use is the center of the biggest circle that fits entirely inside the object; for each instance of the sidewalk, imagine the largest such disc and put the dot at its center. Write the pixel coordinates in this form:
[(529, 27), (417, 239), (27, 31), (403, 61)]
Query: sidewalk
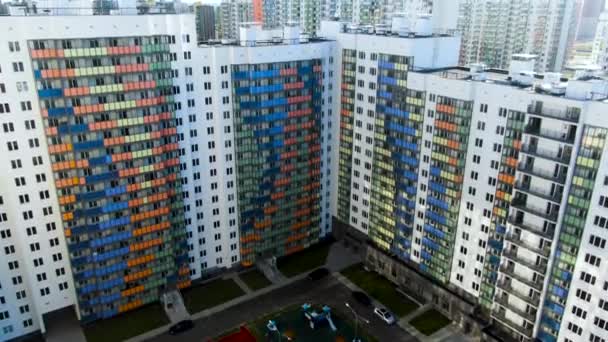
[(338, 258), (448, 333), (208, 312), (239, 282)]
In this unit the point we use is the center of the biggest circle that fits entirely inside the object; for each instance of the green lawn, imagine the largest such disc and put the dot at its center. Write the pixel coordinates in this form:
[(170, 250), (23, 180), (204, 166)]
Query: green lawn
[(255, 279), (305, 260), (127, 325), (211, 294), (381, 289), (429, 322)]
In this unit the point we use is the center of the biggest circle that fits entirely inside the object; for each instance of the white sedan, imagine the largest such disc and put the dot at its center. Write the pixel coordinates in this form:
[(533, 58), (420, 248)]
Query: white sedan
[(385, 315)]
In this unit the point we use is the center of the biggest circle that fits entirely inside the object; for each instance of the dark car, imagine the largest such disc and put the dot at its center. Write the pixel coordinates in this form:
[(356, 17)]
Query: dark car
[(362, 298), (318, 274), (181, 327)]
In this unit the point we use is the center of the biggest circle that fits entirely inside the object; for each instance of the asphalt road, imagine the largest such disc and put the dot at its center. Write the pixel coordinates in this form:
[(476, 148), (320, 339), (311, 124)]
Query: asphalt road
[(327, 291)]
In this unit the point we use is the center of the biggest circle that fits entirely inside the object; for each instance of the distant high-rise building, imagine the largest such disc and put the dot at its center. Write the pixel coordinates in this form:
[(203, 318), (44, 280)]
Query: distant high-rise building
[(278, 13), (370, 12), (588, 17), (205, 22), (233, 14), (493, 30), (599, 54)]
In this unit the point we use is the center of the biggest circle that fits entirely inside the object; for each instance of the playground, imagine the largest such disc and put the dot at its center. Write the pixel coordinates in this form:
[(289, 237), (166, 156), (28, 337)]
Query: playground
[(307, 323)]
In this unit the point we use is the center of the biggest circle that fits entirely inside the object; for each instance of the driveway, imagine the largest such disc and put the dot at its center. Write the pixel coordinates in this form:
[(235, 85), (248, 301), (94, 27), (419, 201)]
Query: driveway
[(327, 291)]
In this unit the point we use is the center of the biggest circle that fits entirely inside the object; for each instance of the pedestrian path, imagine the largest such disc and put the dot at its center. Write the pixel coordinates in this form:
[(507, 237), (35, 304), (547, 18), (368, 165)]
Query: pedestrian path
[(239, 282), (208, 312), (274, 275)]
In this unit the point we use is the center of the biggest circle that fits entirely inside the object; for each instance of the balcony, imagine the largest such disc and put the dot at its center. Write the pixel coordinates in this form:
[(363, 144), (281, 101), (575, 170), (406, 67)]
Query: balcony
[(510, 271), (560, 114), (534, 210), (538, 268), (535, 151), (506, 286), (548, 175), (504, 301), (550, 134), (502, 319), (539, 192), (516, 239), (544, 233)]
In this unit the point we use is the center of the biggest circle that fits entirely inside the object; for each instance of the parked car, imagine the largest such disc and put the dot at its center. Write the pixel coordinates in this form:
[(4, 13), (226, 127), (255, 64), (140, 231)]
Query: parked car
[(362, 298), (318, 274), (181, 326), (385, 315)]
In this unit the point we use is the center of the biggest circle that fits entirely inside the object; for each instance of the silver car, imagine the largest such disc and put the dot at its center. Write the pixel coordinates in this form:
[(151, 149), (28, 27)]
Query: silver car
[(385, 315)]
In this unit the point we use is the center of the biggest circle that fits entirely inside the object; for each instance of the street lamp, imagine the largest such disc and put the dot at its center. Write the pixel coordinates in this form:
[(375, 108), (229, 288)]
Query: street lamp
[(356, 339)]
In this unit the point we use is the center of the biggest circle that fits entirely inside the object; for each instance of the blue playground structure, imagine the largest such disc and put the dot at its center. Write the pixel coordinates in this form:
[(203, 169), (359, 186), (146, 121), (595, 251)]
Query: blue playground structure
[(318, 319)]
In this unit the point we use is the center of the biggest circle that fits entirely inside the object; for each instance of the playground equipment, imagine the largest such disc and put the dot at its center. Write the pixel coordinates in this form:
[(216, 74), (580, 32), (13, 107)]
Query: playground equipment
[(317, 319)]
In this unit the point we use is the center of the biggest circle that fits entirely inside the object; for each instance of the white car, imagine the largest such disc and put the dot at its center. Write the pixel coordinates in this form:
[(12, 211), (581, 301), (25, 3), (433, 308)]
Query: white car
[(385, 315)]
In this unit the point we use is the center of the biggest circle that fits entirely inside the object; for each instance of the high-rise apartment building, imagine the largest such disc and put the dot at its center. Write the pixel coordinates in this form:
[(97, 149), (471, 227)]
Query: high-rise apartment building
[(493, 30), (233, 13), (92, 202), (480, 190), (273, 103), (588, 18), (205, 22), (599, 53), (136, 161), (278, 13), (371, 12)]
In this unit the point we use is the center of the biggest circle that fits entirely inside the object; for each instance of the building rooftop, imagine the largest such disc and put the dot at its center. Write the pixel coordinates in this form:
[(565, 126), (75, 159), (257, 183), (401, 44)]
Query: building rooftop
[(585, 86), (278, 41)]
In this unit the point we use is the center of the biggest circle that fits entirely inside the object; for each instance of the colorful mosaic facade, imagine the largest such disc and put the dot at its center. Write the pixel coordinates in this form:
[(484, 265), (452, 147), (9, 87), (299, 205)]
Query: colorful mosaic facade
[(579, 200), (448, 158), (399, 115), (502, 200), (277, 110), (347, 112), (110, 126)]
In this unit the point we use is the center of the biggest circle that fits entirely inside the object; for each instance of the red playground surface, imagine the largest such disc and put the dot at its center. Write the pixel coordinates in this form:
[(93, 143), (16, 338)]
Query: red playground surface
[(243, 335)]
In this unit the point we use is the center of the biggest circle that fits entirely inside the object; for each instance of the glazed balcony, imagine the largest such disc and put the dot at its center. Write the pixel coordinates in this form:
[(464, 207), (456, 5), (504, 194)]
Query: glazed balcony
[(535, 130), (544, 233), (516, 239), (548, 175), (507, 287), (501, 318), (560, 114), (504, 301), (510, 271), (535, 151), (536, 267), (526, 187), (523, 205)]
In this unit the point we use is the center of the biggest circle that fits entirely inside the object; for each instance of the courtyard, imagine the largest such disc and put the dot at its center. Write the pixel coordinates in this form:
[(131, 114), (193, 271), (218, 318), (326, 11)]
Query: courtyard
[(293, 325)]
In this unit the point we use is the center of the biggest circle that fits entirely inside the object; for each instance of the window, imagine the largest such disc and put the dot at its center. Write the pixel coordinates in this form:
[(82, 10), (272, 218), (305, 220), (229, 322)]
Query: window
[(592, 259), (588, 278), (584, 295), (596, 240), (18, 66), (579, 312)]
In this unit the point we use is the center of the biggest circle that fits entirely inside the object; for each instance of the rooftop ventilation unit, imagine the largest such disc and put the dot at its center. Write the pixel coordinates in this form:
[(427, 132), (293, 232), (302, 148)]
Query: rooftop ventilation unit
[(478, 71)]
